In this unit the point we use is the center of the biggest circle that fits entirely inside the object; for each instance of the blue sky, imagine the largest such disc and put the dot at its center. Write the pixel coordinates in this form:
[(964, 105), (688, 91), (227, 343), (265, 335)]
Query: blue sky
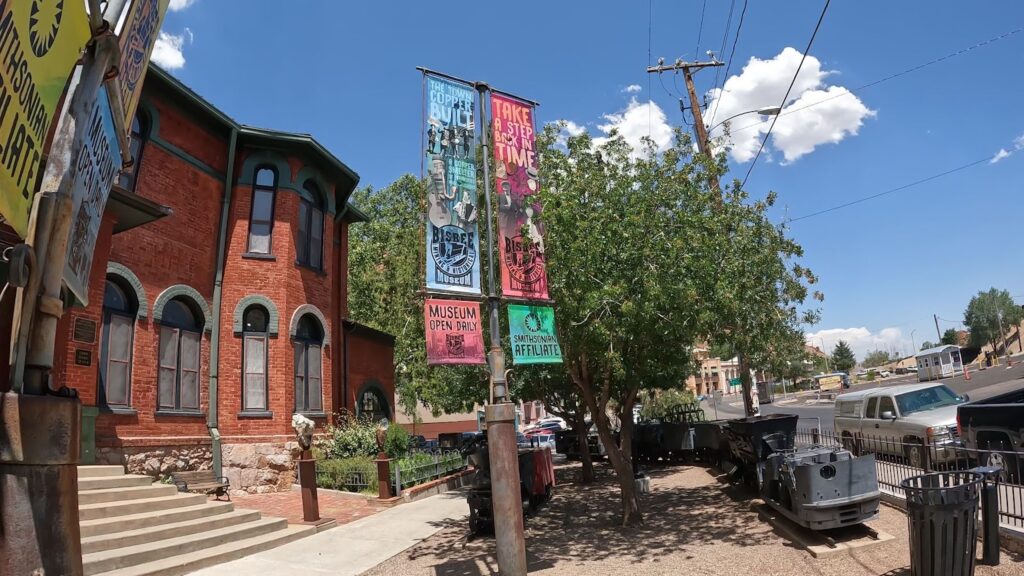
[(345, 72)]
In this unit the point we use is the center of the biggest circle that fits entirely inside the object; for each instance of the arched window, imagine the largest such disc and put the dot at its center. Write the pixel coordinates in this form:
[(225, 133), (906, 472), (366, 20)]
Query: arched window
[(309, 338), (254, 359), (115, 370), (310, 242), (180, 336), (140, 132), (372, 404), (261, 216)]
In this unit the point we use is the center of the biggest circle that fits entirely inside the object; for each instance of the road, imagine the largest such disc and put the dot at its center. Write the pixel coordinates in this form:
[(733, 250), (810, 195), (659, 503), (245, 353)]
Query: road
[(983, 384)]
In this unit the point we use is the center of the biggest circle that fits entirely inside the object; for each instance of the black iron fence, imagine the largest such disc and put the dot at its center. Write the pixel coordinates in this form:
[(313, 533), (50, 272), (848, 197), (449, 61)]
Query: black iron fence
[(422, 467), (897, 460)]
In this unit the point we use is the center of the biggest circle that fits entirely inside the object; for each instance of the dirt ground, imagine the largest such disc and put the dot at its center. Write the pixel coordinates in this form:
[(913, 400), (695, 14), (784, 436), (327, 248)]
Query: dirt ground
[(693, 525)]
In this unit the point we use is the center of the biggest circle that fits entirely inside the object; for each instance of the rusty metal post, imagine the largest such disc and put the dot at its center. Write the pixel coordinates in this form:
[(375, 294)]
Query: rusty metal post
[(39, 450), (505, 493), (383, 476)]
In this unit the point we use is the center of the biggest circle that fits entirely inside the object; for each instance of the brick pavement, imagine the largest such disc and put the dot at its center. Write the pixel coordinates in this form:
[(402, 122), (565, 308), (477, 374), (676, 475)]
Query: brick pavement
[(342, 506)]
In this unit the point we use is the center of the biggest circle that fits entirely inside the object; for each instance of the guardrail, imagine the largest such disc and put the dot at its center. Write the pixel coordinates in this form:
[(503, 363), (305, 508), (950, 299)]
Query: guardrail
[(421, 467), (896, 460)]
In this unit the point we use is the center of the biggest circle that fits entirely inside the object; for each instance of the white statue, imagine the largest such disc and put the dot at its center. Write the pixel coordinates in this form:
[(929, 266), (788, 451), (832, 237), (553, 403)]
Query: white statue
[(303, 431)]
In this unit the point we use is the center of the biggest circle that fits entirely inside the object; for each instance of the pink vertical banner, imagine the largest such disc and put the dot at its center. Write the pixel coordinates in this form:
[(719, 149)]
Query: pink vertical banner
[(517, 185), (454, 332)]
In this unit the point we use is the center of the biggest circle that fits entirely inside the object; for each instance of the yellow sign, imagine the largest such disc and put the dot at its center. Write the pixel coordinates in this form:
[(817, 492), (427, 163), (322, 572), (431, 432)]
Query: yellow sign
[(40, 42), (138, 35)]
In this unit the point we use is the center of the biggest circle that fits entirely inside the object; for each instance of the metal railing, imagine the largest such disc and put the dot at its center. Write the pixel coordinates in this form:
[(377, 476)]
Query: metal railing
[(422, 467), (897, 460)]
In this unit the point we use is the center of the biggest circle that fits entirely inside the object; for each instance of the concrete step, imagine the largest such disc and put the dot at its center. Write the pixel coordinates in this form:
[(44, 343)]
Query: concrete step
[(133, 537), (185, 563), (146, 519), (94, 471), (118, 481), (121, 494), (108, 560), (126, 507)]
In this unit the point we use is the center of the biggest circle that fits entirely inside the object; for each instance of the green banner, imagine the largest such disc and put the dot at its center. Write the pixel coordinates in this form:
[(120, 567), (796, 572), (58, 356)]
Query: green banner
[(534, 340)]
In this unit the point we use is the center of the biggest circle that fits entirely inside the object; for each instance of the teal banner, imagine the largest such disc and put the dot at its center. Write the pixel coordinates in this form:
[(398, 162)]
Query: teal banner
[(534, 340)]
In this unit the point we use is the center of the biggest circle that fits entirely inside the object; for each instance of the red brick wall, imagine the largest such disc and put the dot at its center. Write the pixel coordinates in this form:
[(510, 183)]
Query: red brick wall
[(288, 286), (178, 249), (370, 358), (65, 371)]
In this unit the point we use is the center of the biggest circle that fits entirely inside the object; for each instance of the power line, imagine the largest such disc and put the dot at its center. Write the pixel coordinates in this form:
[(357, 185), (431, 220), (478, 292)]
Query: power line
[(650, 41), (891, 76), (896, 189), (700, 30), (725, 37), (786, 97), (728, 63)]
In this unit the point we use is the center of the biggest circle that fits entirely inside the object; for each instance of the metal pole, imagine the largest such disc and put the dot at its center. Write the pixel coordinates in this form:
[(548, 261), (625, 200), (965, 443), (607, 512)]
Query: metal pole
[(501, 415)]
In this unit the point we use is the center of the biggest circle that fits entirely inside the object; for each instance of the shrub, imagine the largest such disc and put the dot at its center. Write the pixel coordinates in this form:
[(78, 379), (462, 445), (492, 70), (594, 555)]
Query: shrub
[(351, 437), (664, 403), (350, 474), (396, 442)]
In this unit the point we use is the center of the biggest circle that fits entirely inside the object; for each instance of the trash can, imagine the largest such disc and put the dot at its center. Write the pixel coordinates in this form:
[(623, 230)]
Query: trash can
[(942, 511)]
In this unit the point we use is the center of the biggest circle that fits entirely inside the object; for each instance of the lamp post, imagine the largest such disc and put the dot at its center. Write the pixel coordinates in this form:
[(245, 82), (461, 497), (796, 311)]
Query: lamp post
[(913, 343), (827, 369), (769, 111)]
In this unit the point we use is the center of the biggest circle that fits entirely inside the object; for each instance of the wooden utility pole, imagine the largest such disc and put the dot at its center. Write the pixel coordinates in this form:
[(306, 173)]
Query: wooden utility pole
[(688, 68), (750, 403)]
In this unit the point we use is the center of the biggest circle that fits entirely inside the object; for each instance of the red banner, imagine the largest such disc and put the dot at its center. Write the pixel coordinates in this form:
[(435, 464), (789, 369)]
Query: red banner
[(517, 184), (454, 334)]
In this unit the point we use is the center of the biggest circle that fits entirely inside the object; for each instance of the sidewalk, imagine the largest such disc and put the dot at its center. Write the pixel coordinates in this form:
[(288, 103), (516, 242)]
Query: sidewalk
[(356, 547)]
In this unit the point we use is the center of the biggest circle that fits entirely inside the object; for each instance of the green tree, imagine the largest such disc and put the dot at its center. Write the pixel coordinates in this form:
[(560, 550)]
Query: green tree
[(984, 313), (645, 259), (843, 359), (877, 358), (385, 283), (950, 337), (928, 344)]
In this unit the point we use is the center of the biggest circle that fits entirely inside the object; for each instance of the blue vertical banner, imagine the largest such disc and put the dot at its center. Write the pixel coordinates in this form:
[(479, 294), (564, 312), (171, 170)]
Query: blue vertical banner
[(453, 240)]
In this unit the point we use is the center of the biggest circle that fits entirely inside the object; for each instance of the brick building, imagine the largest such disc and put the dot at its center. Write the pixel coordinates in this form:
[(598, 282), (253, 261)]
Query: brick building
[(218, 300)]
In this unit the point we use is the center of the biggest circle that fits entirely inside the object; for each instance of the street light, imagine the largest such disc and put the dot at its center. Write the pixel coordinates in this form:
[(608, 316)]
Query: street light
[(913, 344), (769, 111), (827, 368)]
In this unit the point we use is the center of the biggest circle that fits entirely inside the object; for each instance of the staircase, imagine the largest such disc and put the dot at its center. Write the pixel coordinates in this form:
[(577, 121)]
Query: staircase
[(133, 526)]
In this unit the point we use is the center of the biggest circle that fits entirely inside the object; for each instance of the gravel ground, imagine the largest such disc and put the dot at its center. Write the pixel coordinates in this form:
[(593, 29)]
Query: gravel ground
[(693, 525)]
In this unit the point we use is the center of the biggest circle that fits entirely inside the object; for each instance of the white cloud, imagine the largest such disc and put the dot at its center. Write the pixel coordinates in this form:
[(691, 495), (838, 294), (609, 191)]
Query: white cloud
[(763, 83), (178, 5), (632, 89), (568, 130), (636, 122), (1018, 144), (862, 340), (167, 51)]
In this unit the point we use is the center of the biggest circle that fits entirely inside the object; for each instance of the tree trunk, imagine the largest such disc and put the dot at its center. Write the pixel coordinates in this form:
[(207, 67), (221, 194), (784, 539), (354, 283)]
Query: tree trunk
[(631, 514), (747, 386), (582, 435)]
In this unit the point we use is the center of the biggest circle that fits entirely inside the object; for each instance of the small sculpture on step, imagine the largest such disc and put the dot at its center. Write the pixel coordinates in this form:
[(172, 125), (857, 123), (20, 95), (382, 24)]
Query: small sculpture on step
[(303, 431)]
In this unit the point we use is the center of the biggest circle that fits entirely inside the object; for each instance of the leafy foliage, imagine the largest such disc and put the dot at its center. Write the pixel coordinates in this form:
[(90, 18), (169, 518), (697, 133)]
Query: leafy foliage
[(645, 259), (983, 315), (658, 405), (928, 344), (843, 359), (350, 437), (396, 441), (354, 474), (950, 337), (385, 283), (877, 358)]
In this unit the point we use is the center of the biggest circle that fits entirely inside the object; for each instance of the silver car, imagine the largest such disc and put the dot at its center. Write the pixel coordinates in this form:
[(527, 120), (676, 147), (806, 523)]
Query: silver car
[(916, 421)]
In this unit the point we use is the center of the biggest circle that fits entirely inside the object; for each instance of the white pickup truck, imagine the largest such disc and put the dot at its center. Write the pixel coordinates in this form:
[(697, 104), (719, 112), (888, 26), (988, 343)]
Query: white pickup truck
[(916, 421)]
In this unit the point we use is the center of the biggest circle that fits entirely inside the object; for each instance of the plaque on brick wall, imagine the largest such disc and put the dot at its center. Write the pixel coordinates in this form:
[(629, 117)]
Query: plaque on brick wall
[(84, 331), (83, 357)]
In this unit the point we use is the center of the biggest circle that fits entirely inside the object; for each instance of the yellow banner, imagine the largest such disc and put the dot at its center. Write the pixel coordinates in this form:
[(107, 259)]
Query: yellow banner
[(138, 35), (40, 41)]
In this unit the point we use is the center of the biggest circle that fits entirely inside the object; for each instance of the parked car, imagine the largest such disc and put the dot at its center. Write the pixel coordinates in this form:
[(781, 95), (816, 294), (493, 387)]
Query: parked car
[(543, 441), (995, 424), (549, 427), (916, 421)]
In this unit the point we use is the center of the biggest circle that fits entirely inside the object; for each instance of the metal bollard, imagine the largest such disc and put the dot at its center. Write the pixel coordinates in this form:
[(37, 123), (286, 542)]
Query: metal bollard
[(816, 436), (990, 515)]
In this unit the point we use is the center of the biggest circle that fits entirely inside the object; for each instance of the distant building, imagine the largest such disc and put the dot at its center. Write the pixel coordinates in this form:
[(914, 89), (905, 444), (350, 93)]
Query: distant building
[(939, 362)]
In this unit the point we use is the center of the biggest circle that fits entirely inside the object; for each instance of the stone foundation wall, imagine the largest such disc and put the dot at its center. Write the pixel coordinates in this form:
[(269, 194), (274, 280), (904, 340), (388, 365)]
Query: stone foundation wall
[(250, 468), (260, 468), (157, 461)]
